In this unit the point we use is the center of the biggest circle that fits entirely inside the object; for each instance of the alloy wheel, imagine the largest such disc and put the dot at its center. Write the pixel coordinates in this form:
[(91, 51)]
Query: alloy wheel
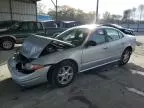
[(7, 44), (65, 74)]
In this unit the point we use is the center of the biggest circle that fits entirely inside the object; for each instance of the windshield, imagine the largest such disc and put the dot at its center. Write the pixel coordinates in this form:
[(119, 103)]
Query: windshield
[(74, 36)]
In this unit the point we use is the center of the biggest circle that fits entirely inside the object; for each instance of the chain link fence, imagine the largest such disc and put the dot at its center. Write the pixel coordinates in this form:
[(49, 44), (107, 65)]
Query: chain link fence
[(136, 27)]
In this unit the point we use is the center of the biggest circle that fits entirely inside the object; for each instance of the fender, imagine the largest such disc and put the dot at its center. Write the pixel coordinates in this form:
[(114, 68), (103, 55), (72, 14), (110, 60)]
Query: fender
[(10, 36)]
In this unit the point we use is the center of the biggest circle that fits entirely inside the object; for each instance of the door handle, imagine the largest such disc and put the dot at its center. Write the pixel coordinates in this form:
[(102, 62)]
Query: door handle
[(105, 48)]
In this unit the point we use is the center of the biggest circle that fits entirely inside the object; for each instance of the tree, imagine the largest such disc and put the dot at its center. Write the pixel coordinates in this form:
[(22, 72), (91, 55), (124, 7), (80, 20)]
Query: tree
[(41, 8), (106, 16), (51, 12), (127, 14), (141, 11), (116, 17), (133, 13), (68, 13)]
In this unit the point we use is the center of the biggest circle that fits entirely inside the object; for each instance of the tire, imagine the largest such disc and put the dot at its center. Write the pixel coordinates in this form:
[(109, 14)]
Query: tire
[(125, 56), (61, 78), (7, 44)]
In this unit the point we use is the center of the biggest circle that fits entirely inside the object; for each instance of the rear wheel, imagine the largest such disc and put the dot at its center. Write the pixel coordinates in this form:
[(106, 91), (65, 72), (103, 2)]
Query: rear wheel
[(64, 74), (7, 44), (125, 56)]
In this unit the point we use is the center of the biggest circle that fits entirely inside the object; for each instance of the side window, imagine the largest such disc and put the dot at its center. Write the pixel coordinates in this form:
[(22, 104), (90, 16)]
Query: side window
[(67, 35), (39, 26), (112, 34), (74, 36), (120, 35), (98, 36), (31, 26), (24, 27), (71, 35)]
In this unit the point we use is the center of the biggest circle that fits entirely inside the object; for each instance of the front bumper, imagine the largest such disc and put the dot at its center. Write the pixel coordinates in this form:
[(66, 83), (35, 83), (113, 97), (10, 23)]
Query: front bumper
[(27, 80), (19, 40)]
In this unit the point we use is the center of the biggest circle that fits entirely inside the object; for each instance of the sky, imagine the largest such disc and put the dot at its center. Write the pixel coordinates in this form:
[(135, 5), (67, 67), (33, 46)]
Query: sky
[(113, 6)]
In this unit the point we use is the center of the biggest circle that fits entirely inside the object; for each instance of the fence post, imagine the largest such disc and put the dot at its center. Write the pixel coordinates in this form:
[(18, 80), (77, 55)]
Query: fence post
[(138, 26)]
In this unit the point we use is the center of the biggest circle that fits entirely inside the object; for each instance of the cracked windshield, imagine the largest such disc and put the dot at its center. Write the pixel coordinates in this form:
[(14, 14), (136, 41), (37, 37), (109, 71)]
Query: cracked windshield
[(71, 53)]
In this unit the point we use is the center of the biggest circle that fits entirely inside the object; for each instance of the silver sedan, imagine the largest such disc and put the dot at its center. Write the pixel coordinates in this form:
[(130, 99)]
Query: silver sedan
[(58, 60)]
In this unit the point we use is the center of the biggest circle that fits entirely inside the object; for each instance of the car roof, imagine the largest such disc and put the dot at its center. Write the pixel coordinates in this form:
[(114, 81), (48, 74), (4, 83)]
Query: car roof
[(92, 26), (89, 26)]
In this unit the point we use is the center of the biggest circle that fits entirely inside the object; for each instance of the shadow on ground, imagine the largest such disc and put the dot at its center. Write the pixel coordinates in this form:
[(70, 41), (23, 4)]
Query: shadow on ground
[(7, 84), (8, 88), (9, 91), (135, 67), (139, 43)]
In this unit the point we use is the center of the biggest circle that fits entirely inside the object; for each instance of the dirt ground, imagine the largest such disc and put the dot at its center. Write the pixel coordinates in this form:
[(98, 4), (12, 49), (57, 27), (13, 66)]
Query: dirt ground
[(108, 87)]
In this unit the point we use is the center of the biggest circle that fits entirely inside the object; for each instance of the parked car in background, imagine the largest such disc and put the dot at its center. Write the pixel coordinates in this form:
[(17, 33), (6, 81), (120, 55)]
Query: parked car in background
[(53, 28), (68, 24), (124, 30), (77, 49), (16, 31), (60, 24)]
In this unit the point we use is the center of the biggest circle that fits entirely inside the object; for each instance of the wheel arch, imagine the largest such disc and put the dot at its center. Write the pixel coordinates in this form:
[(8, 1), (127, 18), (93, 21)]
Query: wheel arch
[(49, 73), (8, 37), (128, 47)]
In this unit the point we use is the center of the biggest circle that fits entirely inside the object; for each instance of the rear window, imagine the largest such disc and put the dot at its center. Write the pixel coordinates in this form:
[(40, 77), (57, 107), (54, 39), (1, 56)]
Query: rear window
[(39, 26), (50, 25)]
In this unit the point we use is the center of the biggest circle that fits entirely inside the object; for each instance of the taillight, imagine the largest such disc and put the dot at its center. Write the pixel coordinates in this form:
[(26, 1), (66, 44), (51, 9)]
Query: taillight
[(33, 67)]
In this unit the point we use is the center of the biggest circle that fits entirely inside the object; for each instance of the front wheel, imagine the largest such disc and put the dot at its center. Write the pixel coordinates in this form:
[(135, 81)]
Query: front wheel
[(125, 56), (7, 44), (64, 74)]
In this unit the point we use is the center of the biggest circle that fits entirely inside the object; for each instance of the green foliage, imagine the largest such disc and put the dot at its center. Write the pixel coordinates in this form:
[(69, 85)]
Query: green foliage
[(68, 13)]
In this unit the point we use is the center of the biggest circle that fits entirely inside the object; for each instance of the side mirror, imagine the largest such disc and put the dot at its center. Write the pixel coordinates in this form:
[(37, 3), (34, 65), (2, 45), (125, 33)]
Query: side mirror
[(91, 43)]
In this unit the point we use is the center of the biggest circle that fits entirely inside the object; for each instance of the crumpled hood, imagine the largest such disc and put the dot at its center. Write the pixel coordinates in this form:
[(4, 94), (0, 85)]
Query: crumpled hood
[(34, 45)]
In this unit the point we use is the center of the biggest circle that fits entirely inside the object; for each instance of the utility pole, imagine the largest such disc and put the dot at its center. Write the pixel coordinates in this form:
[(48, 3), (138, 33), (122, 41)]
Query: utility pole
[(11, 13), (97, 7), (56, 10), (56, 7)]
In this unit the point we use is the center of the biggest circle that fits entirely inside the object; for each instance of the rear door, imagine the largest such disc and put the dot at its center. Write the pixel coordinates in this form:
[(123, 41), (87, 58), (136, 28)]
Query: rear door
[(114, 42)]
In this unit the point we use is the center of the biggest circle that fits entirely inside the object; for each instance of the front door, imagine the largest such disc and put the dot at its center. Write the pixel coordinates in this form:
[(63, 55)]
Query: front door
[(94, 56), (114, 42)]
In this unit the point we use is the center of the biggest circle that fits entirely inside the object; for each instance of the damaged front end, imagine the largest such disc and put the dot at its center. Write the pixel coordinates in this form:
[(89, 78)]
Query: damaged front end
[(35, 47)]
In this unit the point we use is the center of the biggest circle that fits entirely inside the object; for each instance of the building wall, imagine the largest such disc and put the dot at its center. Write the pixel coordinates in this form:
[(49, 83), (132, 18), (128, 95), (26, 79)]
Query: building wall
[(4, 10), (21, 10)]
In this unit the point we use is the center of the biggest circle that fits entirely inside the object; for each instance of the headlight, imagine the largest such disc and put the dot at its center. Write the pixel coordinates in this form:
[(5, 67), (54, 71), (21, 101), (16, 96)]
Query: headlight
[(32, 67)]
